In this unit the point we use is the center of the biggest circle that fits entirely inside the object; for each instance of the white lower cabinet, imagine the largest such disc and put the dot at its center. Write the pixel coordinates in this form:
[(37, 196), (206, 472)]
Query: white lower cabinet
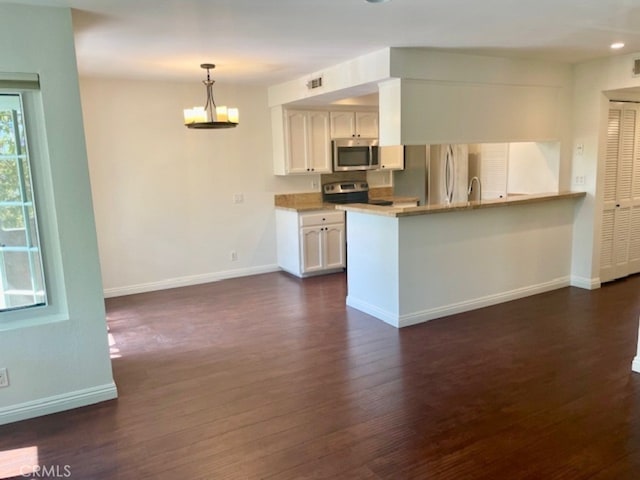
[(310, 243)]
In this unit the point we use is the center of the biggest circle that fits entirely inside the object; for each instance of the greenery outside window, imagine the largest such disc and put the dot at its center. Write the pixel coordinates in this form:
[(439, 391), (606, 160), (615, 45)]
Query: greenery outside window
[(21, 273)]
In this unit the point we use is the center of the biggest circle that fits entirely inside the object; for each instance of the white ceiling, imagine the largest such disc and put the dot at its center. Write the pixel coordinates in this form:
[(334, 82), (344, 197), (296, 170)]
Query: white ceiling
[(270, 41)]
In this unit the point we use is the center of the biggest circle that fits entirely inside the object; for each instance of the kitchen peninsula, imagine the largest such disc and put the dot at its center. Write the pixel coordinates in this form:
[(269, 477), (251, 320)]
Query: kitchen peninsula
[(413, 264)]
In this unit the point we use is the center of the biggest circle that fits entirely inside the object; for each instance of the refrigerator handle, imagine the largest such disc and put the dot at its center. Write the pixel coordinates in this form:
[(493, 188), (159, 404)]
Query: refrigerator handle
[(449, 177), (446, 176)]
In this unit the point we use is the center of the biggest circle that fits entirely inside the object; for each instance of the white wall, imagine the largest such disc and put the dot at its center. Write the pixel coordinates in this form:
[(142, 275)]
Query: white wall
[(58, 356), (465, 112), (533, 167), (163, 193)]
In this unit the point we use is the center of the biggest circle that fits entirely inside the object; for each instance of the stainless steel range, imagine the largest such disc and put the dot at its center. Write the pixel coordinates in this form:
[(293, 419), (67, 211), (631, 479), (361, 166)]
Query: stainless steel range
[(350, 192)]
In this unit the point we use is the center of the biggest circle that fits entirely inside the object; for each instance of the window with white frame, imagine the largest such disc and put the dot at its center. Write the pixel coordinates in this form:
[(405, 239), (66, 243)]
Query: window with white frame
[(21, 274)]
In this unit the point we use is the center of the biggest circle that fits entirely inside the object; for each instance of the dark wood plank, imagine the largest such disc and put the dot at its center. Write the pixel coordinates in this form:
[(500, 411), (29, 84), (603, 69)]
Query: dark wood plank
[(273, 377)]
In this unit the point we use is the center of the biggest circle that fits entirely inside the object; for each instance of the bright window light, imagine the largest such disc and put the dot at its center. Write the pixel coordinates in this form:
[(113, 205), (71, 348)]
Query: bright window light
[(19, 462)]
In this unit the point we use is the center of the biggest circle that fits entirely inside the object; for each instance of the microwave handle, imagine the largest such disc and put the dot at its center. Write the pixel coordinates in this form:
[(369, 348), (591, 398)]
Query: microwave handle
[(371, 153)]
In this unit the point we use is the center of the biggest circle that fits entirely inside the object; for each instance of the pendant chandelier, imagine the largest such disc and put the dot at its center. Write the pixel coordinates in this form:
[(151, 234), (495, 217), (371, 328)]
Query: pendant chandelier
[(210, 116)]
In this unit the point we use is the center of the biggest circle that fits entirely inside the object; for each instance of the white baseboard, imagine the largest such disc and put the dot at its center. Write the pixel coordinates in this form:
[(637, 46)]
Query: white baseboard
[(58, 403), (189, 280), (451, 309), (488, 300), (387, 317), (635, 365), (586, 283)]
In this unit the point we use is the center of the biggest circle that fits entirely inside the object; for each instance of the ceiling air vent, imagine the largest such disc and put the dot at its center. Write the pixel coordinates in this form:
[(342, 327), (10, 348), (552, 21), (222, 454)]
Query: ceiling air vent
[(314, 83), (636, 67)]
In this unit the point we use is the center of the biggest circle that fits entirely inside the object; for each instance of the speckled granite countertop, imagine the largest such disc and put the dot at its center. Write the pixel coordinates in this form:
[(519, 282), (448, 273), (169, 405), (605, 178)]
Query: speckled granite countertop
[(302, 202), (391, 211)]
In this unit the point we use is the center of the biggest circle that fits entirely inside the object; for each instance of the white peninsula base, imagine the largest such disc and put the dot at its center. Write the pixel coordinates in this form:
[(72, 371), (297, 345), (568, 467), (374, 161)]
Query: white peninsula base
[(410, 267)]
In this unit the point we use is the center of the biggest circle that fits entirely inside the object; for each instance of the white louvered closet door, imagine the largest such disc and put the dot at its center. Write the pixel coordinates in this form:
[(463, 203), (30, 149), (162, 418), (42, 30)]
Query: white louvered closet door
[(620, 239)]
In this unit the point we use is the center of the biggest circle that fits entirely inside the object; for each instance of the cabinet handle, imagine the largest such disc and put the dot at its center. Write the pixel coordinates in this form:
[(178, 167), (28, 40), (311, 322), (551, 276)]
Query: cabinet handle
[(617, 204)]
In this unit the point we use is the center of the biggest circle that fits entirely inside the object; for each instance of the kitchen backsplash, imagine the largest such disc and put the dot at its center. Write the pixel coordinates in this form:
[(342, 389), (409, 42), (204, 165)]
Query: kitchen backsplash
[(374, 178), (343, 177)]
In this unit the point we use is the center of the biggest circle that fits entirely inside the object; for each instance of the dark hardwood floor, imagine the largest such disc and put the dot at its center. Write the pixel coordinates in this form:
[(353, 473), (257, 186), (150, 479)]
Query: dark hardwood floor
[(271, 377)]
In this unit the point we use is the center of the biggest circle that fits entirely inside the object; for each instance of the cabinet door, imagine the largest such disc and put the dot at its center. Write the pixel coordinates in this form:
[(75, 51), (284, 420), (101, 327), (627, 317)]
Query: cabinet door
[(343, 124), (319, 142), (367, 124), (297, 149), (334, 246), (392, 157), (311, 249)]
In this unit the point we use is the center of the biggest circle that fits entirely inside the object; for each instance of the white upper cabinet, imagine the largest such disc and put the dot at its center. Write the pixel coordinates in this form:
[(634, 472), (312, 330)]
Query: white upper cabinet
[(346, 124), (343, 124), (296, 147), (302, 138), (319, 142), (391, 157), (367, 124), (307, 142)]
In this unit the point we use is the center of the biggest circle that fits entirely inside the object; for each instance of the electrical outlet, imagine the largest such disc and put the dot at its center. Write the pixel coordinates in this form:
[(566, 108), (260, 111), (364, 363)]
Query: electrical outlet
[(314, 184), (234, 256), (580, 149), (4, 378), (579, 180), (238, 198)]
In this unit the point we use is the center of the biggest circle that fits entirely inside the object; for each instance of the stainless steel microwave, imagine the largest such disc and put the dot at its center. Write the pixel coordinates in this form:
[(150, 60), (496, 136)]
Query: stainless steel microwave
[(355, 154)]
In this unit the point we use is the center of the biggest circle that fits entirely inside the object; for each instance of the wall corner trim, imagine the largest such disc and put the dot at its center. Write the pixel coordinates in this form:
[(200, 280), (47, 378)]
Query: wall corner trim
[(635, 365), (586, 283), (58, 403)]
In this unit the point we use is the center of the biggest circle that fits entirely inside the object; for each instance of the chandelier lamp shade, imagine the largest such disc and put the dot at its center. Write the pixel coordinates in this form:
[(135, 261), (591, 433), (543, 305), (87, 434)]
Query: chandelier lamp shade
[(210, 116)]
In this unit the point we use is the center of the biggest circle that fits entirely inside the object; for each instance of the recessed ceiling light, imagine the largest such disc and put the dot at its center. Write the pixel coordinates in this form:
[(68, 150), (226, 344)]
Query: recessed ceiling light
[(617, 45)]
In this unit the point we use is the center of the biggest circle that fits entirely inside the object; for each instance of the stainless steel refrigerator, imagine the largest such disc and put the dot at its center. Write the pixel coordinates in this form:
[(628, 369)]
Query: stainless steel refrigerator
[(436, 174)]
